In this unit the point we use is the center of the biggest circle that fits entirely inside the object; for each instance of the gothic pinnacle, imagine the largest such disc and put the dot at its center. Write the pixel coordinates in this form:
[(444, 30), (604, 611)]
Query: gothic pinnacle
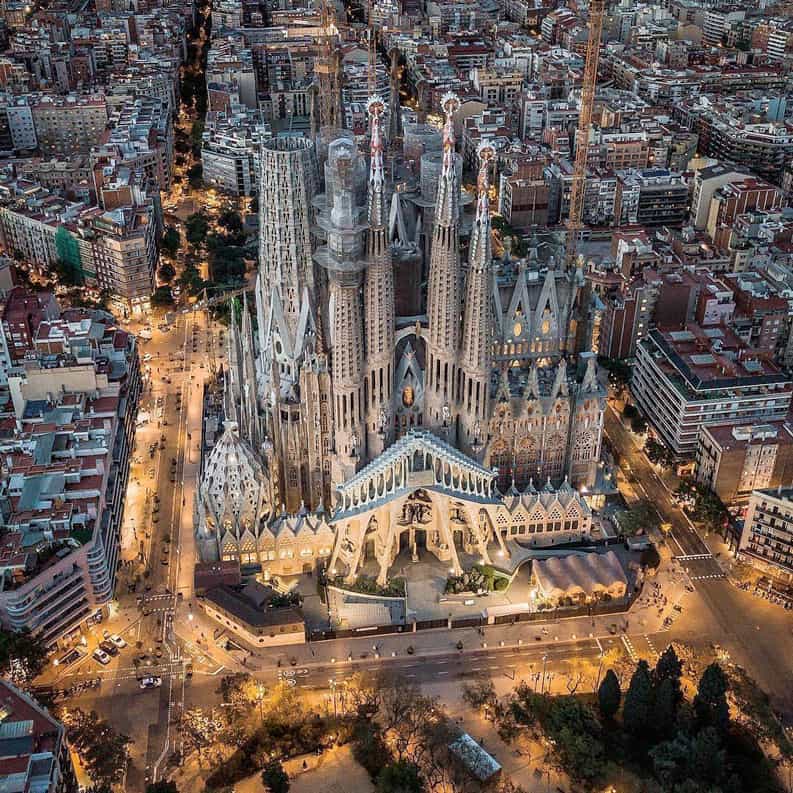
[(446, 210), (480, 242), (377, 211)]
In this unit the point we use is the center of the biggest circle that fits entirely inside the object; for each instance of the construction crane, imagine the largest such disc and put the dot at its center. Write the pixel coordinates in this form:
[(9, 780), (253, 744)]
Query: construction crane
[(575, 220), (327, 69)]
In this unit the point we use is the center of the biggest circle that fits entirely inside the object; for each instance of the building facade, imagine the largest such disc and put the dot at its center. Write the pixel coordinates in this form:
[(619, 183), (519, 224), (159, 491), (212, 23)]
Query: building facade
[(684, 380), (767, 537), (490, 383)]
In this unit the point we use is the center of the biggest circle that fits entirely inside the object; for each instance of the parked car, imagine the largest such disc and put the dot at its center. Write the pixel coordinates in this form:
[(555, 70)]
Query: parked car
[(101, 656), (116, 639), (150, 682), (108, 647)]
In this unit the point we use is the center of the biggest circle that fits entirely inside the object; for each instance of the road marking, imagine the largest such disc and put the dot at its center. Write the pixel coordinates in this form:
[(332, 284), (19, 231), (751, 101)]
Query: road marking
[(600, 646), (686, 557), (629, 647), (704, 577), (651, 646)]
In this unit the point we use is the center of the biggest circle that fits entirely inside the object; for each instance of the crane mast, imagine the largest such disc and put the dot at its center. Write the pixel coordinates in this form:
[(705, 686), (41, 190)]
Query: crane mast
[(578, 191)]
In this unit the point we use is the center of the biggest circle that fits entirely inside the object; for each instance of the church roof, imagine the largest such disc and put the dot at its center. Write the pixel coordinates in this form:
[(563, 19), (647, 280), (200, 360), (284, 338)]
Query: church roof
[(439, 465)]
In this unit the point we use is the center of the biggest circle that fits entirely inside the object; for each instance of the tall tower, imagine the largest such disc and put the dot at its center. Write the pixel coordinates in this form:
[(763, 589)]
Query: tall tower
[(294, 384), (342, 217), (288, 183), (378, 297), (475, 355), (443, 299)]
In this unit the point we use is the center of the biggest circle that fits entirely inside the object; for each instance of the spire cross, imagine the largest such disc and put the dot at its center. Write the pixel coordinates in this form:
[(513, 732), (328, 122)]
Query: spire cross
[(450, 104), (377, 214), (375, 107), (486, 153)]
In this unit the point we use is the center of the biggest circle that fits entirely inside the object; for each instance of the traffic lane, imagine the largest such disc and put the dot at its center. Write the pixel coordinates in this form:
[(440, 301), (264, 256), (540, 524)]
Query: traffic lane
[(758, 636), (460, 664), (686, 537)]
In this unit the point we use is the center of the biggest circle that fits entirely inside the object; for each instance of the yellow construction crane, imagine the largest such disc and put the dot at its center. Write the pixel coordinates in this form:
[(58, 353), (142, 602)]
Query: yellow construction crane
[(575, 220)]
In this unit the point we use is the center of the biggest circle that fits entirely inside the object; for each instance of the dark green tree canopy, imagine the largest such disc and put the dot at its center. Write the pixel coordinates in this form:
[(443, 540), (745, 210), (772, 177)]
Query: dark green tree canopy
[(609, 695)]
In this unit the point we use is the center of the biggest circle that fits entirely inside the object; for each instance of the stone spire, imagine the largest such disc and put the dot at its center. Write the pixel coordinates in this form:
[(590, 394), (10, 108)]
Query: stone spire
[(443, 301), (475, 357), (376, 196), (378, 297), (343, 219)]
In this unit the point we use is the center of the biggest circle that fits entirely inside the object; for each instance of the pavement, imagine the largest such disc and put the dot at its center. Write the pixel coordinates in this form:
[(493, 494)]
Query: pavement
[(692, 589), (757, 634)]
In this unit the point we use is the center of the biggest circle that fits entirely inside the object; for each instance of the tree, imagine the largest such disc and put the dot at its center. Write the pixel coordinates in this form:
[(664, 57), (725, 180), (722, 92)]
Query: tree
[(639, 519), (710, 702), (162, 296), (637, 710), (639, 424), (167, 272), (664, 708), (630, 411), (669, 667), (399, 777), (658, 453), (274, 778), (609, 695), (163, 786), (103, 752), (22, 656), (577, 734), (170, 242), (231, 221), (194, 175), (196, 227), (68, 273), (369, 748)]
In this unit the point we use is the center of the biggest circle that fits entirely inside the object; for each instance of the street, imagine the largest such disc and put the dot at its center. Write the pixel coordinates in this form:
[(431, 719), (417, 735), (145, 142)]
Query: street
[(756, 633)]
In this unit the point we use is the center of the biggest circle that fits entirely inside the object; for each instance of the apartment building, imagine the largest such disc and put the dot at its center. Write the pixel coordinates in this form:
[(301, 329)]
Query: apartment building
[(767, 538), (34, 755), (733, 460), (686, 379), (113, 248), (654, 197), (67, 464), (140, 136), (69, 124), (230, 151)]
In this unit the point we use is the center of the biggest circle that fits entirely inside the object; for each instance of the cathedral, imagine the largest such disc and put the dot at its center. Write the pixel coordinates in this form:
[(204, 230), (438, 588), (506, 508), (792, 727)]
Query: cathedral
[(402, 388)]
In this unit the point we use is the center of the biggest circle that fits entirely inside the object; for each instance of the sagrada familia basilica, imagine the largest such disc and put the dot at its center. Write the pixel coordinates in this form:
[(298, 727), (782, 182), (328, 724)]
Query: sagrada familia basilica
[(401, 388)]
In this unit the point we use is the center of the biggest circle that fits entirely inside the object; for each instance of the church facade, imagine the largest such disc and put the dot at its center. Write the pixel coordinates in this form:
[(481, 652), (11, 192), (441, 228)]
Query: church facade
[(380, 416)]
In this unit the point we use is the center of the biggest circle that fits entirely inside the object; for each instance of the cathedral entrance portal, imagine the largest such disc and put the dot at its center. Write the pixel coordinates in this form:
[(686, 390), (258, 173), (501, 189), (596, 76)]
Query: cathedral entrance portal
[(414, 522)]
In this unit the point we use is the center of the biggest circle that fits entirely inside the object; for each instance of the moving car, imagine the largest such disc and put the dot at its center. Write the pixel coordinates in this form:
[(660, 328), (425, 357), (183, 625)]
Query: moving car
[(150, 682)]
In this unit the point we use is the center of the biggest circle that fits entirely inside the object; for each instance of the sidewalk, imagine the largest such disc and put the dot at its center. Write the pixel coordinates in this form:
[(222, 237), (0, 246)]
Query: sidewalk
[(642, 619)]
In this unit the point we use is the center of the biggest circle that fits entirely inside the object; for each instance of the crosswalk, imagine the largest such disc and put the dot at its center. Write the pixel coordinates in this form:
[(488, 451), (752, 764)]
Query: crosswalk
[(707, 576), (651, 646), (690, 556), (630, 648)]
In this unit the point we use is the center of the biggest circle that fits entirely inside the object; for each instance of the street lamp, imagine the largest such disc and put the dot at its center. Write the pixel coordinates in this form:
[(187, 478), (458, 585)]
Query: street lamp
[(332, 683), (260, 691), (544, 662)]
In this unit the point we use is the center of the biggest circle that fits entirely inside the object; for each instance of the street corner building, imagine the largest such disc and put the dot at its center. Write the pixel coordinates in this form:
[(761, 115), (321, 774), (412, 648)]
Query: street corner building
[(402, 387)]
